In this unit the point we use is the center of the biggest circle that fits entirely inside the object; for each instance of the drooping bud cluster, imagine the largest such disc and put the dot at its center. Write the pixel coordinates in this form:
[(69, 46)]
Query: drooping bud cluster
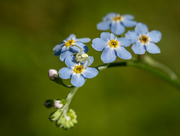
[(63, 117)]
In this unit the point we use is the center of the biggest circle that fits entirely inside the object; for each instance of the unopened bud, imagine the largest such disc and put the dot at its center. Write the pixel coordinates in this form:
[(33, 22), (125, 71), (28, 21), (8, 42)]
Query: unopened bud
[(55, 115), (58, 104), (73, 116), (52, 73), (67, 121), (49, 103)]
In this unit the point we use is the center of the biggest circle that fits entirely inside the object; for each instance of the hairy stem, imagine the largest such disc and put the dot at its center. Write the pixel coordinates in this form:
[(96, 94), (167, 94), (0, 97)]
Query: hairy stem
[(69, 98)]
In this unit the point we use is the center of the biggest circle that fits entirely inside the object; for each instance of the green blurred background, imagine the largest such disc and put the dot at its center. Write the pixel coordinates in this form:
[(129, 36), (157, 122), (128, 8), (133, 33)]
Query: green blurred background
[(119, 101)]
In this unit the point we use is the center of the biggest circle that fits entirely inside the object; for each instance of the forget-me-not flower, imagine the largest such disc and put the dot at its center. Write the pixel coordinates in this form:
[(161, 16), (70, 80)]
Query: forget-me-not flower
[(66, 47), (144, 40), (116, 23), (77, 71), (111, 47)]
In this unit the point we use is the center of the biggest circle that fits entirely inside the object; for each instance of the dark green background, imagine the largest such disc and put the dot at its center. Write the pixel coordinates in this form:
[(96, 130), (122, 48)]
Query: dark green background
[(119, 101)]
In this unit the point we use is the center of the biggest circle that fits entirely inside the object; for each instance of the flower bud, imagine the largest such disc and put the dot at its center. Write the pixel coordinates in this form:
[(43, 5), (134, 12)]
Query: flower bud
[(67, 121), (49, 103), (55, 115), (58, 104), (73, 116), (52, 73)]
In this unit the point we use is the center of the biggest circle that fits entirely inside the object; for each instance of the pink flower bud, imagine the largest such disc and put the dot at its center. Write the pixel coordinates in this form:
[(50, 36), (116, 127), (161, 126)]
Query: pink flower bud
[(52, 73), (58, 104)]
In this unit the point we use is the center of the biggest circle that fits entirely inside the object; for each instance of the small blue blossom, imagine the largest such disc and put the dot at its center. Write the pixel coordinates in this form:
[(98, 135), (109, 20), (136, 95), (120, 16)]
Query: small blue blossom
[(111, 47), (143, 40), (66, 47), (77, 71), (116, 23)]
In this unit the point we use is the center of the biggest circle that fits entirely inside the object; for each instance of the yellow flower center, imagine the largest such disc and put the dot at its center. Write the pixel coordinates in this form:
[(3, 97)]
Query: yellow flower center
[(144, 39), (117, 18), (69, 42), (78, 69), (113, 43)]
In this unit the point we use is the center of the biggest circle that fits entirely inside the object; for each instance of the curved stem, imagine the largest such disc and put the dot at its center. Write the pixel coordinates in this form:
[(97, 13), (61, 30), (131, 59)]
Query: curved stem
[(140, 65), (154, 63)]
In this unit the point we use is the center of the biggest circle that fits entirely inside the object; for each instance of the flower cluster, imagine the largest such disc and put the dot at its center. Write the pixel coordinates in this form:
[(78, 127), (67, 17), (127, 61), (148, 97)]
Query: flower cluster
[(63, 117), (73, 52), (112, 46)]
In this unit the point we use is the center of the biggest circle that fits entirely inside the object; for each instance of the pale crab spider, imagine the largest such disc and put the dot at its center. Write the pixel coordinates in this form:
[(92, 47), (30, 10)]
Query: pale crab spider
[(81, 57)]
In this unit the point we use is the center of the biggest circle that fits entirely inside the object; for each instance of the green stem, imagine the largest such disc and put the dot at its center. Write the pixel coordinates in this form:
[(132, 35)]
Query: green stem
[(68, 99), (140, 65), (154, 63)]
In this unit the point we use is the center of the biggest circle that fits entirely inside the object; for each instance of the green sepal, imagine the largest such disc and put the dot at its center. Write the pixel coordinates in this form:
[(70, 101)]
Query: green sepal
[(55, 115)]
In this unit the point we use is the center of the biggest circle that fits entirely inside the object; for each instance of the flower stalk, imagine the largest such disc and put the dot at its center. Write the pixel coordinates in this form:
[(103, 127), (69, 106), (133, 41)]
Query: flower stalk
[(69, 99), (161, 73)]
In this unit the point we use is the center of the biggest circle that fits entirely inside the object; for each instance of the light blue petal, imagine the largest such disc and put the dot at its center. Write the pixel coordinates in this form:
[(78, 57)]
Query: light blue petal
[(117, 28), (138, 48), (124, 41), (81, 45), (152, 48), (99, 44), (64, 48), (155, 36), (77, 80), (65, 73), (123, 53), (141, 28), (91, 59), (57, 49), (113, 36), (132, 35), (108, 55), (83, 40), (71, 36), (127, 16), (71, 61), (129, 23), (103, 25), (65, 54), (105, 36), (109, 16), (90, 72)]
